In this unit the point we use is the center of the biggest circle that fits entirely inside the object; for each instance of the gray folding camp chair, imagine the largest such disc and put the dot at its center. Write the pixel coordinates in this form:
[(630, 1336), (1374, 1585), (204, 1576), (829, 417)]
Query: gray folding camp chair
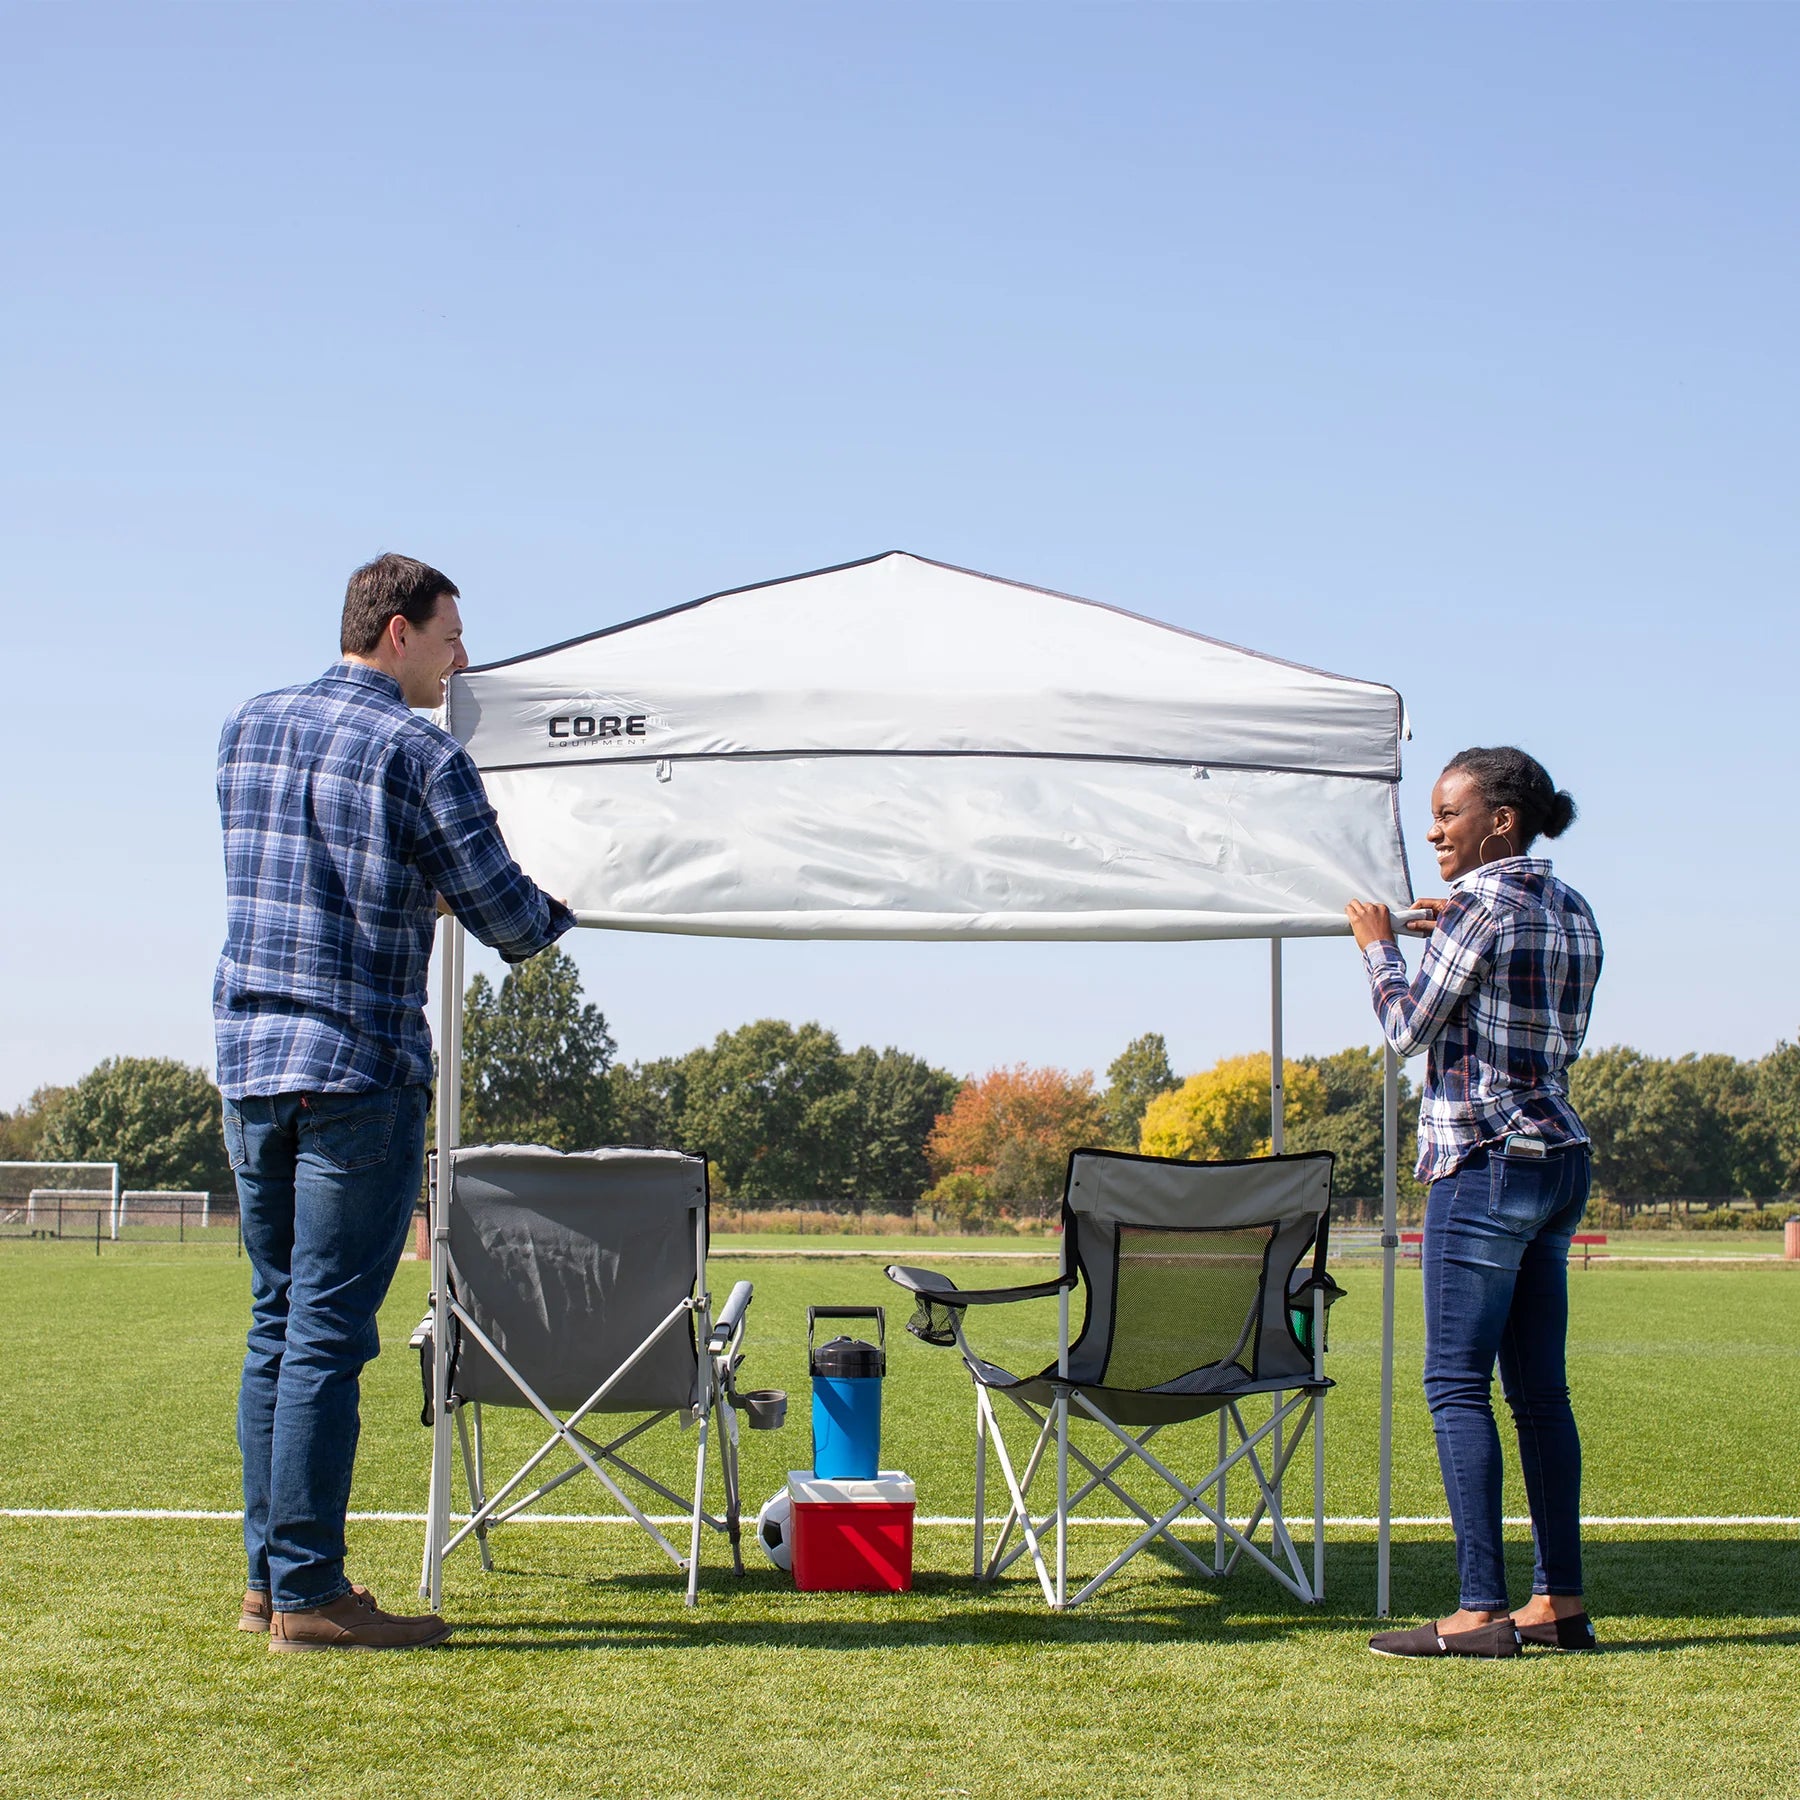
[(575, 1285), (1195, 1301)]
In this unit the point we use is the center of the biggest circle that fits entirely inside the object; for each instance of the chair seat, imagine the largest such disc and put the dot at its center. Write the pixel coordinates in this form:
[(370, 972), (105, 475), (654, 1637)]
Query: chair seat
[(492, 1389), (1136, 1406)]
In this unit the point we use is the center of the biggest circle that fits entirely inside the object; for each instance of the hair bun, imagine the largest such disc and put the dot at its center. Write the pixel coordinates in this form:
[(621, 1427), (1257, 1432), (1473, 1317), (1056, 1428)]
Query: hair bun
[(1505, 776)]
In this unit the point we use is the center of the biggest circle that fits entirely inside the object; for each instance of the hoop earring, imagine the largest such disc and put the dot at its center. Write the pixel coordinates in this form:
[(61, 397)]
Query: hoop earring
[(1505, 837)]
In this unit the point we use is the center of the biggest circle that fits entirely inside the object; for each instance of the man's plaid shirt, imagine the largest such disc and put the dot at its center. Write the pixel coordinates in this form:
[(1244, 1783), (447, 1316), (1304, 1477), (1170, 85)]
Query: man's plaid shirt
[(1500, 1006), (345, 814)]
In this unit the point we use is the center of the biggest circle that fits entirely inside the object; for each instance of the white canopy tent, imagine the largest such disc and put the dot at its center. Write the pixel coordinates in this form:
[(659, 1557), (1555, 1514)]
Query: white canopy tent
[(895, 748)]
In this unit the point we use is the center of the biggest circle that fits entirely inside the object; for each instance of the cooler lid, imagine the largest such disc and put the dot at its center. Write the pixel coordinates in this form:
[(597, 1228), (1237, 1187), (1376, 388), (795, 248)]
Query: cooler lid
[(892, 1487), (849, 1359)]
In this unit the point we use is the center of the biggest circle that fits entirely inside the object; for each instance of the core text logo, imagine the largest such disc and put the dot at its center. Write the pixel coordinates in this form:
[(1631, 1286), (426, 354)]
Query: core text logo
[(598, 725)]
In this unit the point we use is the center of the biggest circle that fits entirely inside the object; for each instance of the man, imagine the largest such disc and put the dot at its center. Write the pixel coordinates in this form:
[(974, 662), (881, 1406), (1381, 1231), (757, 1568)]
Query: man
[(348, 822)]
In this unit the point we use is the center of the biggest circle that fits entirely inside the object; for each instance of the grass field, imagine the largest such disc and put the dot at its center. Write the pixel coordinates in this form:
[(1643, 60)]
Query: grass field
[(576, 1670)]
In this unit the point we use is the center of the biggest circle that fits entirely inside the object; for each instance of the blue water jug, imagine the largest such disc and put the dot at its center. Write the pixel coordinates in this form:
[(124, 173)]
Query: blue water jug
[(846, 1383)]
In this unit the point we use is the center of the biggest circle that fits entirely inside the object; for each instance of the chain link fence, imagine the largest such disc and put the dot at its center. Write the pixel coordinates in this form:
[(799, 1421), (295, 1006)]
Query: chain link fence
[(94, 1220)]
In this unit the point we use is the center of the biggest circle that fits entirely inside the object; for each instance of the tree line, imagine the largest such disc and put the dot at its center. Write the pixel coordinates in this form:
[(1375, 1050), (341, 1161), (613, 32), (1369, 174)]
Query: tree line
[(781, 1112), (786, 1114)]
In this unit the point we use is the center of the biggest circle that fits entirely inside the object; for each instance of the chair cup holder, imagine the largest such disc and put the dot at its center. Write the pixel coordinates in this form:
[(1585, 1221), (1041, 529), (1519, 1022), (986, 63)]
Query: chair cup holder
[(764, 1409)]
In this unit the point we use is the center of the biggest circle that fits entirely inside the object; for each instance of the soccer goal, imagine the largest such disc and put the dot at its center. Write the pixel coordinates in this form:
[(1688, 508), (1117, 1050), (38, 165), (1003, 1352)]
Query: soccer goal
[(170, 1213), (56, 1199)]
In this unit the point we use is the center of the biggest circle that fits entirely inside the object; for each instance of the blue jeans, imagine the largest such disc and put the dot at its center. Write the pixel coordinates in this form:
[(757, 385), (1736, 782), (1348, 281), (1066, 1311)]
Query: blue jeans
[(326, 1185), (1496, 1268)]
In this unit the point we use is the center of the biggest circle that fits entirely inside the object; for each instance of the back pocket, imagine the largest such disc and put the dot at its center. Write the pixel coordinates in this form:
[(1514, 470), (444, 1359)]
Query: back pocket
[(351, 1131), (1522, 1190), (235, 1152)]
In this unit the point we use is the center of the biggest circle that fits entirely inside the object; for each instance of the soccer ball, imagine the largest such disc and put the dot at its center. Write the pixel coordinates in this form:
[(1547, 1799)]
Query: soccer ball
[(775, 1531)]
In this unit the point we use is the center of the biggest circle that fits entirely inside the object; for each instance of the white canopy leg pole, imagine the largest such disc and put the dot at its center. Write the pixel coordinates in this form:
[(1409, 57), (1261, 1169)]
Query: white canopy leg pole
[(1318, 1417), (1277, 1131), (449, 1135), (428, 1561), (1390, 1244), (1062, 1450), (1277, 1086), (703, 1377)]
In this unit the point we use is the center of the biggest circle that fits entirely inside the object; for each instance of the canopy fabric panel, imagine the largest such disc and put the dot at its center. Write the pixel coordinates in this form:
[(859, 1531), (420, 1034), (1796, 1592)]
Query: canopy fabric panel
[(898, 749)]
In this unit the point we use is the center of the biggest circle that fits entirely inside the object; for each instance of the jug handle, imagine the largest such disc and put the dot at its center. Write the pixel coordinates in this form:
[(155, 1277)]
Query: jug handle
[(877, 1313)]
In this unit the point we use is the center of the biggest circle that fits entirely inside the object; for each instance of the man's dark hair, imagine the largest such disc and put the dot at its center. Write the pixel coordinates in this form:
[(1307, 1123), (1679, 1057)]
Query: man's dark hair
[(387, 588), (1505, 776)]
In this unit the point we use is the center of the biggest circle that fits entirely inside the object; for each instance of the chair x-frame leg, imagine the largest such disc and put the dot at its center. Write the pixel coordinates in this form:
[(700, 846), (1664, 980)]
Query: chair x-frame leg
[(1286, 1426), (487, 1510)]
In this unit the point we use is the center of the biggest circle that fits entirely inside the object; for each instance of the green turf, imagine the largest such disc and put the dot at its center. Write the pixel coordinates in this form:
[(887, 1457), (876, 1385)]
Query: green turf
[(576, 1670)]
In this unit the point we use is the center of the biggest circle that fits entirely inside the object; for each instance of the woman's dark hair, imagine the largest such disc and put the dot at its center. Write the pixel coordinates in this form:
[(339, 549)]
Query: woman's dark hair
[(1505, 776), (389, 587)]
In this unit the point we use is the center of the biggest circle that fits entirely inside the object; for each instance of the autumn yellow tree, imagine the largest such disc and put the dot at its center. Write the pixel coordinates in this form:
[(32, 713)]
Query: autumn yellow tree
[(1006, 1140), (1224, 1112)]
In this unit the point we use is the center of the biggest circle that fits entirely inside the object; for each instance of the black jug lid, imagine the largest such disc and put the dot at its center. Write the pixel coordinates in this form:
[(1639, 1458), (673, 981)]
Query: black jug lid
[(848, 1359)]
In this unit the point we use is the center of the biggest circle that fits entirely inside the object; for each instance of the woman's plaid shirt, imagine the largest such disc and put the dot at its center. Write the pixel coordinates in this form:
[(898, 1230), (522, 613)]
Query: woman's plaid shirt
[(1500, 1006), (345, 815)]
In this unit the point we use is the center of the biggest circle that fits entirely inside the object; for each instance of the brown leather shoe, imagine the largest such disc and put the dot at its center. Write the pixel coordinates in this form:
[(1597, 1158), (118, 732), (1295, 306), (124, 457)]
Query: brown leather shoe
[(354, 1622), (255, 1616)]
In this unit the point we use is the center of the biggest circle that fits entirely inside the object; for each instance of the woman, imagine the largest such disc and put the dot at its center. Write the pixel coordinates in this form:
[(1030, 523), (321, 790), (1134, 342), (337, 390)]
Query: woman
[(1500, 1005)]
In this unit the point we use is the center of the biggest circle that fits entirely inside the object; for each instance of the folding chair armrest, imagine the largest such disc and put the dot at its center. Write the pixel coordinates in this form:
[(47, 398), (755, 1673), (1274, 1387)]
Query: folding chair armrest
[(1320, 1283), (929, 1285), (730, 1320), (940, 1300), (421, 1342)]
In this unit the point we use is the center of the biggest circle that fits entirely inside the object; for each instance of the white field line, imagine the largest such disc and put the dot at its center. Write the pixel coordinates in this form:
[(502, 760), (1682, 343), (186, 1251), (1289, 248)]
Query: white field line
[(726, 1252), (155, 1514), (1357, 1253)]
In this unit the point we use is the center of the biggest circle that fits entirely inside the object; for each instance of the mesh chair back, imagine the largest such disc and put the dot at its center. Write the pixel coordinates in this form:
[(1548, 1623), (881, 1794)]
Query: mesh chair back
[(1187, 1267), (568, 1262)]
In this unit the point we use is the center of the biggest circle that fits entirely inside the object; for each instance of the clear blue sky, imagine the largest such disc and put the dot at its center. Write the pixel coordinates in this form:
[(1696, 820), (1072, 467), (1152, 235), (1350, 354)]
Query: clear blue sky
[(1450, 347)]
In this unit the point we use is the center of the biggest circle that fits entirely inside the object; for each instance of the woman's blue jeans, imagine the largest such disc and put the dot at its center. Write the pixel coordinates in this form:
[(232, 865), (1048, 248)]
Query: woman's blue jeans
[(1496, 1265), (326, 1185)]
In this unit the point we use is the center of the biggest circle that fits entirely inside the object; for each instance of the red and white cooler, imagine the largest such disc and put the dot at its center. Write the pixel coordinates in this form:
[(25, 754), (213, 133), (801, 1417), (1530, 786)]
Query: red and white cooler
[(852, 1537)]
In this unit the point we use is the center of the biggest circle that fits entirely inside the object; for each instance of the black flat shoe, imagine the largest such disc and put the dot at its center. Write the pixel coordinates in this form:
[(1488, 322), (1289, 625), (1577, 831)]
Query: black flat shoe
[(1499, 1638), (1576, 1632)]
